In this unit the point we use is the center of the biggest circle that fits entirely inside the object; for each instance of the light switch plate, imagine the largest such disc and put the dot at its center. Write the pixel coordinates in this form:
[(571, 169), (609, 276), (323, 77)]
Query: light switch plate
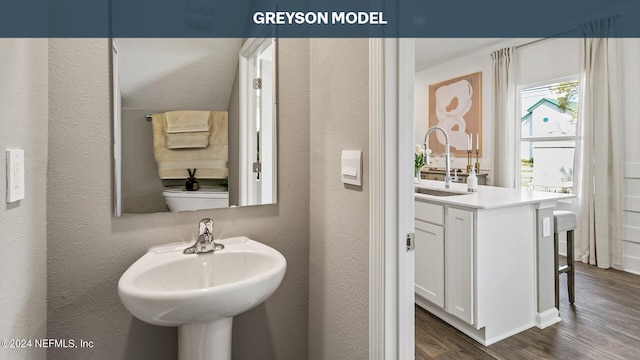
[(15, 175), (351, 169)]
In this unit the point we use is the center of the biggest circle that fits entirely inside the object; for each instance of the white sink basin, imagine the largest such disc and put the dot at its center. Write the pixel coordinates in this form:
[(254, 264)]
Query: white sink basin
[(200, 293)]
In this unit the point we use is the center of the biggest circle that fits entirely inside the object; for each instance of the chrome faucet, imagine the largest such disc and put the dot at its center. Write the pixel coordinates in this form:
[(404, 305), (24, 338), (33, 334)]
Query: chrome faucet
[(205, 242), (447, 176)]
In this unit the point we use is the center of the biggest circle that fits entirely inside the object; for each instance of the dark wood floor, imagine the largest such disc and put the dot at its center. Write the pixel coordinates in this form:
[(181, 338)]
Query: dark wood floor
[(604, 323)]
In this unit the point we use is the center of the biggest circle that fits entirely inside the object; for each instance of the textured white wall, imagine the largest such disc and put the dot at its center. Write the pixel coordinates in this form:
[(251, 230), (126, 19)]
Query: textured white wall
[(339, 249), (89, 249), (23, 124)]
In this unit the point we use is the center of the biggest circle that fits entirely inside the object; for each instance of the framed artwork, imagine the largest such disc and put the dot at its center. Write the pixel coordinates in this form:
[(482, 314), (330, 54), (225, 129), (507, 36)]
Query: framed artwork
[(456, 106)]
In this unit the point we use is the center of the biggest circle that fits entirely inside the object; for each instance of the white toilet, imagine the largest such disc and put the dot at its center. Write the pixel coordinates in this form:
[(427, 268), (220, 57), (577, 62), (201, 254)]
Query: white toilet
[(207, 197)]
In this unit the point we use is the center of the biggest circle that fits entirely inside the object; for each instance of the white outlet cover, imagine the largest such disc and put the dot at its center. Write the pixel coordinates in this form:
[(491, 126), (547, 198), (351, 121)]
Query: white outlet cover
[(15, 175), (546, 226)]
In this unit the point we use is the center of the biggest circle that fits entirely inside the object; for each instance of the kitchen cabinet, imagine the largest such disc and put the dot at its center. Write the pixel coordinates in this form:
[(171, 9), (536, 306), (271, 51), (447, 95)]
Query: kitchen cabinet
[(459, 257), (446, 266), (429, 274), (477, 256)]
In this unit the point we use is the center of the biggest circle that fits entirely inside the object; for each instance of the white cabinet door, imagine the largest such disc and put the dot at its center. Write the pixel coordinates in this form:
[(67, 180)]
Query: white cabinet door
[(429, 264), (459, 264)]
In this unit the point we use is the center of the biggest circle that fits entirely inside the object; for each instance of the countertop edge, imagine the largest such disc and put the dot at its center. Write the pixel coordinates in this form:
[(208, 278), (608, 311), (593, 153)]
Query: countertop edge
[(487, 197)]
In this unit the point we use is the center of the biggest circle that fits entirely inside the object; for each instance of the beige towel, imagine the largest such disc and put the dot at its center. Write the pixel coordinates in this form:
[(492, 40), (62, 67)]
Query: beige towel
[(211, 162), (187, 129), (187, 121), (188, 140)]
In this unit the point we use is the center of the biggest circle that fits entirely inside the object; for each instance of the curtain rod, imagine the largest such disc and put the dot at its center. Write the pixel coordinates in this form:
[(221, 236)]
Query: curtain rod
[(531, 43), (561, 33), (555, 36)]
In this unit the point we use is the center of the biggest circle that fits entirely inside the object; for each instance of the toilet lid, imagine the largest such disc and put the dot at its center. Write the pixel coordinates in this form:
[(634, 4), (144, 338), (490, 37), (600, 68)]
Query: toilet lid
[(204, 191), (207, 189)]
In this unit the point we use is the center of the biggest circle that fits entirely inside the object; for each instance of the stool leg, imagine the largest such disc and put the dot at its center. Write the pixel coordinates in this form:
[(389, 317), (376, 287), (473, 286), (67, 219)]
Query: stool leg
[(555, 269), (571, 283)]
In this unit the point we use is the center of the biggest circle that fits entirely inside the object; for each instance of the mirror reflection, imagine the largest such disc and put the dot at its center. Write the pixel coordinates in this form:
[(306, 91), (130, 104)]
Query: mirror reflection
[(194, 124)]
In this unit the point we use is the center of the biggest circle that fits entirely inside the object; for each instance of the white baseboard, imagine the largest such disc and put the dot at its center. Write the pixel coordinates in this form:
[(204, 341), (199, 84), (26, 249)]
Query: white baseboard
[(502, 336), (547, 318)]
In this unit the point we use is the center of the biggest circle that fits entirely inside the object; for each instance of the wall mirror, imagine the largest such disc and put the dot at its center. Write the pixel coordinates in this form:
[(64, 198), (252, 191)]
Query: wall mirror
[(194, 123)]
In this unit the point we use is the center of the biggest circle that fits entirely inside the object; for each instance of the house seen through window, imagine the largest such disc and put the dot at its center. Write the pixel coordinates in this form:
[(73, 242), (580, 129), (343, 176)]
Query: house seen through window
[(549, 114)]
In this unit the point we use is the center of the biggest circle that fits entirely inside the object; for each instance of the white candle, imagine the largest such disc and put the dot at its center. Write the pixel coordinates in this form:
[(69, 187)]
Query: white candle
[(477, 141), (469, 142)]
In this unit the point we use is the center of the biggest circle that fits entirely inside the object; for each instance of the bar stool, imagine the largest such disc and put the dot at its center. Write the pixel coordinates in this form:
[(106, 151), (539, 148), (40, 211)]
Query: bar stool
[(564, 221)]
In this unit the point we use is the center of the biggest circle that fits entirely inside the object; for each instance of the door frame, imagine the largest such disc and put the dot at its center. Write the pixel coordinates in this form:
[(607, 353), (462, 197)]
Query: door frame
[(248, 194), (391, 265)]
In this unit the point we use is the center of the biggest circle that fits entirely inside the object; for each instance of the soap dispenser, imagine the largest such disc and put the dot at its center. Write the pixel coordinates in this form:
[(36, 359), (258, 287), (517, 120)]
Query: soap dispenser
[(472, 181)]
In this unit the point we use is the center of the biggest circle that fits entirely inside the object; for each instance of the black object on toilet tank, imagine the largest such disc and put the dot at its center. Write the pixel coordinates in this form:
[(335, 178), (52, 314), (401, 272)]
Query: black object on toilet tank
[(192, 183)]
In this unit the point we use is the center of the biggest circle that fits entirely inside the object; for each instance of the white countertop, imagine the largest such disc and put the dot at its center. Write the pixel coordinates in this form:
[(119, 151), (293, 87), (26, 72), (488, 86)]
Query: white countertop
[(487, 197)]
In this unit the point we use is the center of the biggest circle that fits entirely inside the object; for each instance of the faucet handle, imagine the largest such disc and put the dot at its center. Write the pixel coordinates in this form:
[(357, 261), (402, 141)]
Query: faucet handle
[(205, 226), (205, 242)]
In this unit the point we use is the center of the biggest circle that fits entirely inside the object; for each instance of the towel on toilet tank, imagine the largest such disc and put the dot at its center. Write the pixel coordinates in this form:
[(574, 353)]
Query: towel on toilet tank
[(211, 160)]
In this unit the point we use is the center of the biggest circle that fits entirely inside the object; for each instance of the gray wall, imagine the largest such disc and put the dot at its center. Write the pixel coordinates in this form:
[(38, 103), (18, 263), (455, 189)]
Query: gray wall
[(141, 186), (88, 249), (234, 137), (23, 124), (339, 249)]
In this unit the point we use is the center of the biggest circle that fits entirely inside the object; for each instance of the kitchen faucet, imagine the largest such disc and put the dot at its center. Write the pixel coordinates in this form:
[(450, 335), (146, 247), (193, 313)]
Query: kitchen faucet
[(447, 176), (205, 242)]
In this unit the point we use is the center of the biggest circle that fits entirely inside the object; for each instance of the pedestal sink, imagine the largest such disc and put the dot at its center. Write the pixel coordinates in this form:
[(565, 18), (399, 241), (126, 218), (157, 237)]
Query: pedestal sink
[(201, 293)]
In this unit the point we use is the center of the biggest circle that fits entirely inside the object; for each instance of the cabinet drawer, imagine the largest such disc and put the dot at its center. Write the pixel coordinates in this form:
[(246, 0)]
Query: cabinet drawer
[(429, 212)]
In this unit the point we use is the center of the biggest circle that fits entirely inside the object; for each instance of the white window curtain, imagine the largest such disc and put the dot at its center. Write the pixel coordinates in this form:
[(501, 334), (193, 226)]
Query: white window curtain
[(504, 112), (598, 162)]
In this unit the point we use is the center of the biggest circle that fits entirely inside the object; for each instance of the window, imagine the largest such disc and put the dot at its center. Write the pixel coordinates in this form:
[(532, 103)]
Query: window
[(549, 115)]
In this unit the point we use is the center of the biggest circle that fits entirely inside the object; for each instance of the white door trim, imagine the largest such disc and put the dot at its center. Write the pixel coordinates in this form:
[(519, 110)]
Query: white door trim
[(245, 111), (391, 299), (405, 210), (376, 200), (248, 193)]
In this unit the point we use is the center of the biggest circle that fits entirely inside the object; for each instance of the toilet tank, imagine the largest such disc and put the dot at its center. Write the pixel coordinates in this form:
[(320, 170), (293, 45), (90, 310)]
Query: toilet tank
[(178, 199)]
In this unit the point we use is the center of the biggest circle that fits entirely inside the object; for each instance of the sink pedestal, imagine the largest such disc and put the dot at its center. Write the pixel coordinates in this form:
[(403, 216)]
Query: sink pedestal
[(204, 341)]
